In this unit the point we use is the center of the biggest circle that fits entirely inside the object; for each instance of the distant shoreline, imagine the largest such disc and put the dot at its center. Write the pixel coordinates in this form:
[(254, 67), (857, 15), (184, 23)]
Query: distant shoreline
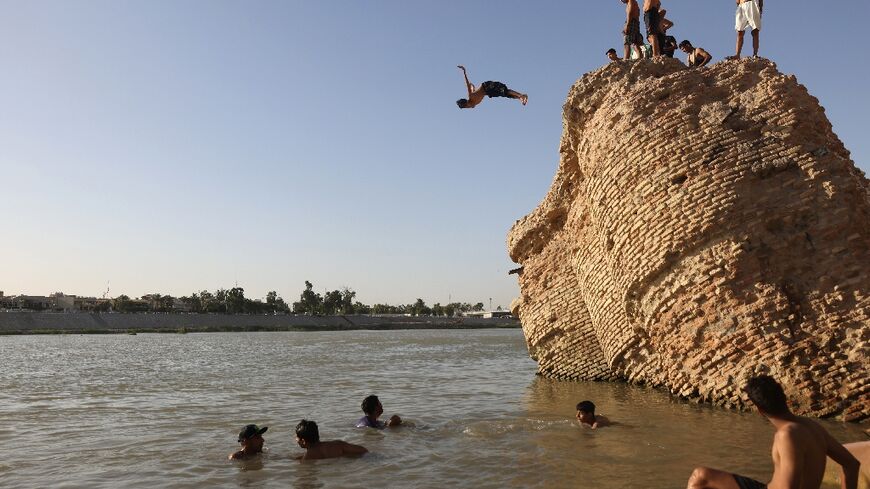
[(42, 323)]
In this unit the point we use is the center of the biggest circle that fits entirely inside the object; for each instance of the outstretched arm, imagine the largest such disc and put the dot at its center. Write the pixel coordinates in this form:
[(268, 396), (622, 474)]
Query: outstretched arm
[(468, 84)]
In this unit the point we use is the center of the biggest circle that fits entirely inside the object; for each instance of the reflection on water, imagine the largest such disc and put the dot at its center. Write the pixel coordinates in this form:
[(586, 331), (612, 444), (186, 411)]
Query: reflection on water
[(164, 410)]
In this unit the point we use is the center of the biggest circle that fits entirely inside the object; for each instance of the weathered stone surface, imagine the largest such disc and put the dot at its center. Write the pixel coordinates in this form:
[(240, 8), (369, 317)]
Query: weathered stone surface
[(703, 226)]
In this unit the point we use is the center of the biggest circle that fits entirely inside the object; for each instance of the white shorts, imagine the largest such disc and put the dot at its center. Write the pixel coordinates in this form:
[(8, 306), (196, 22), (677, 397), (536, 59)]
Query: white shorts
[(748, 15)]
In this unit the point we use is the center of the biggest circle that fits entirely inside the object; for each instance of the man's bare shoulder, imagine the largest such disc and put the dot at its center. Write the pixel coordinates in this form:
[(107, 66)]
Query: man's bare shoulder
[(803, 433)]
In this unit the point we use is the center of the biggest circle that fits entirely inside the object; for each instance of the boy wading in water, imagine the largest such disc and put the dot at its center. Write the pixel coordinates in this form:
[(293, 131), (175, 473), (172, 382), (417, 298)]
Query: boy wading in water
[(251, 439), (800, 448), (308, 437), (586, 415), (489, 89), (373, 410), (748, 15)]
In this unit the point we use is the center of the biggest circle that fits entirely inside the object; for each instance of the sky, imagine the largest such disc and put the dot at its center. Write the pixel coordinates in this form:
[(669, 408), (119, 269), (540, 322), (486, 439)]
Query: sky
[(171, 147)]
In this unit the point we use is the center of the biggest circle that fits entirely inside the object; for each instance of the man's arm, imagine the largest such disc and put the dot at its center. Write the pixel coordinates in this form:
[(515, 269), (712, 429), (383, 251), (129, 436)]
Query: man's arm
[(704, 54), (468, 84), (847, 461)]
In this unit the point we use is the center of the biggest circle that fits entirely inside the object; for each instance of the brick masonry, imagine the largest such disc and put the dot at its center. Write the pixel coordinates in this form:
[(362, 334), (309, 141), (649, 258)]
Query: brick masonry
[(704, 225)]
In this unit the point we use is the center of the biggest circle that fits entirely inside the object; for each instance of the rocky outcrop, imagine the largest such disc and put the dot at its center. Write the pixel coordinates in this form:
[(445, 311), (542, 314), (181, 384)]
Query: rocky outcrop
[(704, 225)]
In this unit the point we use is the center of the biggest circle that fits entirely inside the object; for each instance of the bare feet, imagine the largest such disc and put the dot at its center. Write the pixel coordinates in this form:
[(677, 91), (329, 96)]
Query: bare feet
[(524, 98)]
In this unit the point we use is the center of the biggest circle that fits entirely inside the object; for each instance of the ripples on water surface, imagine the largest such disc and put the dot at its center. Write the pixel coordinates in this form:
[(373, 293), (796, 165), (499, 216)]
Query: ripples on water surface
[(164, 410)]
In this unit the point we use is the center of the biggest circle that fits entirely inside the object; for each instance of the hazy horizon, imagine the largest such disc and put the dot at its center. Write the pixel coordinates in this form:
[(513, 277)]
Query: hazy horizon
[(173, 147)]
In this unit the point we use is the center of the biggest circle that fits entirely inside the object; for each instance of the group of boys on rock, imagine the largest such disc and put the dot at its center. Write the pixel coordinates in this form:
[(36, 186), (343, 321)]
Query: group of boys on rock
[(661, 44), (800, 445)]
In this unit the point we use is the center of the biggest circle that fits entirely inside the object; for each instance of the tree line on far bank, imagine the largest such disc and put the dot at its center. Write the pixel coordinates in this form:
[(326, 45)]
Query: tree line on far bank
[(233, 301)]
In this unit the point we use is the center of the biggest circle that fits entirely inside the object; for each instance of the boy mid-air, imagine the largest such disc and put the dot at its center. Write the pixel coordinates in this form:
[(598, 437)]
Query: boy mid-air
[(487, 89)]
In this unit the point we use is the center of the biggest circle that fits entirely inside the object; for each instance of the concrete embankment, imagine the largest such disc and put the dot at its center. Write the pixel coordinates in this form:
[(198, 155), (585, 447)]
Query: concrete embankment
[(58, 323)]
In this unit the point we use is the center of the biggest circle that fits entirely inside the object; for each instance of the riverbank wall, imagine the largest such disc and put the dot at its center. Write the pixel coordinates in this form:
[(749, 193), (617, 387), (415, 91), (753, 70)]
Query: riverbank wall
[(106, 323)]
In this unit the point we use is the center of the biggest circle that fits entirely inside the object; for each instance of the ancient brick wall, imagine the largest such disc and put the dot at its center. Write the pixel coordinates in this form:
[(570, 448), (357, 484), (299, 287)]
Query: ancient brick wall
[(704, 225)]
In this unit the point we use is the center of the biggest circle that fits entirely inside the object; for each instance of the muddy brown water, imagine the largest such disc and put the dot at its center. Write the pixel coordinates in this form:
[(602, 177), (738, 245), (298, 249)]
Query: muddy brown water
[(155, 410)]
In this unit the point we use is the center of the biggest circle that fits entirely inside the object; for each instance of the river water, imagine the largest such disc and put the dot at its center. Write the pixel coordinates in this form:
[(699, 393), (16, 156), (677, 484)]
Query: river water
[(160, 410)]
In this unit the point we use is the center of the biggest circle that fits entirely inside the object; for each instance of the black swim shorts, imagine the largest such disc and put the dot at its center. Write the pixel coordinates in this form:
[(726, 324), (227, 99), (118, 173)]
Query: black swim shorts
[(652, 20), (747, 483), (494, 89), (632, 33)]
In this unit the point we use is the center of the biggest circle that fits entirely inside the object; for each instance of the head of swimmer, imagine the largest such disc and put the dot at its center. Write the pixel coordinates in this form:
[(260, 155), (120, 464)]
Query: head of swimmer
[(372, 407), (767, 395), (463, 103), (586, 412), (251, 438), (307, 434)]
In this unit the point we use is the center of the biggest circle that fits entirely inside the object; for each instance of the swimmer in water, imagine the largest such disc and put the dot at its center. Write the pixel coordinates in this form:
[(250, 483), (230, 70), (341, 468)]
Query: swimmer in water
[(308, 437), (586, 416), (373, 410), (251, 439)]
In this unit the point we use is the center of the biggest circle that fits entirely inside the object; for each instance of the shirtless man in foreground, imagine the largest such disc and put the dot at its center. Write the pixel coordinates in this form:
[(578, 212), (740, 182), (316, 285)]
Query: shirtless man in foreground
[(308, 437), (486, 89), (800, 447)]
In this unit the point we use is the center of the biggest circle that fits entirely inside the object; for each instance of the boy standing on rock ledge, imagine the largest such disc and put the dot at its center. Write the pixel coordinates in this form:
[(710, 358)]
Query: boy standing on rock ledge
[(748, 15), (631, 32), (652, 19), (800, 448)]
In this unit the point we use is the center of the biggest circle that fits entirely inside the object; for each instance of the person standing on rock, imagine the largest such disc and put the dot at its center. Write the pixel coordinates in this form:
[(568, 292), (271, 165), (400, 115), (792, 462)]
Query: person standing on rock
[(748, 15), (667, 43), (800, 448), (631, 32), (652, 20), (487, 89), (697, 57)]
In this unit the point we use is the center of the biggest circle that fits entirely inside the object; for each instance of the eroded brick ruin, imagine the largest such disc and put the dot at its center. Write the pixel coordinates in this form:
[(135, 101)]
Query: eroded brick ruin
[(703, 225)]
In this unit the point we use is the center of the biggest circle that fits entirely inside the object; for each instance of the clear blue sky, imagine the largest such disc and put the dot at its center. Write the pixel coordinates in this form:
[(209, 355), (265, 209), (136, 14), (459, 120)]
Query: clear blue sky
[(173, 146)]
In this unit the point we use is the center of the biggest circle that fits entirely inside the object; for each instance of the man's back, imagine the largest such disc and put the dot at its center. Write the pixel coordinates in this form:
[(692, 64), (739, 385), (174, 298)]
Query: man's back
[(800, 450), (333, 449)]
